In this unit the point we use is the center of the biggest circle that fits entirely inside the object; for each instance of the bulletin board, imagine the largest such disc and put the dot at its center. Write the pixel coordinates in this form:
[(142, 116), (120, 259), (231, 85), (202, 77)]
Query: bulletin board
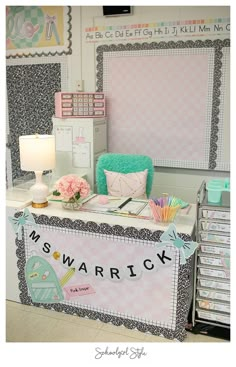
[(38, 31), (167, 100)]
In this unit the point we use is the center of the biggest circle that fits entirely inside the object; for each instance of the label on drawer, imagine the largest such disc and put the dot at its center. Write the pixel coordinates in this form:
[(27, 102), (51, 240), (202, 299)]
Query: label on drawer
[(215, 238), (207, 315), (209, 305), (213, 226), (98, 112), (98, 96), (215, 214), (66, 113), (98, 104), (223, 251), (67, 104), (214, 273), (211, 261), (214, 284), (214, 295)]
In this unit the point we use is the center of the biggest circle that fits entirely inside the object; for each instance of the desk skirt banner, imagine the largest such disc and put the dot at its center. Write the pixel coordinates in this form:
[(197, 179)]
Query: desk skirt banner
[(114, 274)]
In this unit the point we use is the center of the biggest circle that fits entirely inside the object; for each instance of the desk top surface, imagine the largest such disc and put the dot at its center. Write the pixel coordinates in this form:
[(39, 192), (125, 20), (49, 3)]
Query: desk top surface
[(184, 221)]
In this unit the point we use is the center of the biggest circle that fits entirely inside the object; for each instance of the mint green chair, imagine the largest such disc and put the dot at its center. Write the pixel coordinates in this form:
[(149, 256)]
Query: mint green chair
[(122, 163)]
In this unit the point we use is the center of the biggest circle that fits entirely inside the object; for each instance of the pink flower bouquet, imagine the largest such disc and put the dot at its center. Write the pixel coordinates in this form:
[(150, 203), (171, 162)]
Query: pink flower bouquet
[(72, 187)]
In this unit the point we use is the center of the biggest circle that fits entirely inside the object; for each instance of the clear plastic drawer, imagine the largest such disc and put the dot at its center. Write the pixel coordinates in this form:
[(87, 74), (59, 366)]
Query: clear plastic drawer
[(213, 305), (214, 284), (212, 294), (215, 214), (215, 250), (213, 316)]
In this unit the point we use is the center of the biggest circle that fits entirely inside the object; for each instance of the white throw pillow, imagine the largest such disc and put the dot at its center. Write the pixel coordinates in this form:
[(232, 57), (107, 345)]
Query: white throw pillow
[(127, 184)]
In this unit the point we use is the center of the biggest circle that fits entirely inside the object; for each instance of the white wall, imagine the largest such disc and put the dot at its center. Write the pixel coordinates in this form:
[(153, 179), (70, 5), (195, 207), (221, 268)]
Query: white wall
[(181, 182)]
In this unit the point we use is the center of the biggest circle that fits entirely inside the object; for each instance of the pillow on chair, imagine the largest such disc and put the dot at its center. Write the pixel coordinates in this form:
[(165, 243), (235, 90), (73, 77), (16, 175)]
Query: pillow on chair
[(122, 163), (127, 184)]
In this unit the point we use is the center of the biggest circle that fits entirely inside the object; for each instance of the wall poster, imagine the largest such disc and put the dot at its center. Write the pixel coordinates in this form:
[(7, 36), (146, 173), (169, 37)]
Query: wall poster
[(38, 31)]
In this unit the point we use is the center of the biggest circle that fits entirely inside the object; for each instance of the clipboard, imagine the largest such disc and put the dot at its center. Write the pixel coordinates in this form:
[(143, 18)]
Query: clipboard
[(115, 206), (132, 206)]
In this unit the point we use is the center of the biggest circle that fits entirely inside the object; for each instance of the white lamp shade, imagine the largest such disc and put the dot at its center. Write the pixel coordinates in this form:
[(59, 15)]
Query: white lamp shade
[(37, 152)]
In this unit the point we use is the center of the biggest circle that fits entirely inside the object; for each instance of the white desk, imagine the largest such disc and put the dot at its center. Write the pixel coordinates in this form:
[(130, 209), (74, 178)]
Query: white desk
[(184, 222), (154, 301)]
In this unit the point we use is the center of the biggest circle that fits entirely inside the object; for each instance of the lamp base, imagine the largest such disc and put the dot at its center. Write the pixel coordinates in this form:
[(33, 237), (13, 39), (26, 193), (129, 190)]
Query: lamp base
[(39, 192), (39, 205)]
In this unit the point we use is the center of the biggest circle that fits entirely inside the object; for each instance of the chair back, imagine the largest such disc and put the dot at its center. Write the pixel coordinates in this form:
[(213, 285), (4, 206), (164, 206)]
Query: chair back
[(122, 163)]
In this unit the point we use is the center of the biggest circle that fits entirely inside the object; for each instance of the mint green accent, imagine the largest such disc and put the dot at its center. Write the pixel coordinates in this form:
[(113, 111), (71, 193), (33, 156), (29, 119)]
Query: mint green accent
[(22, 220), (215, 188), (123, 163), (42, 281), (227, 262), (186, 249), (178, 242), (18, 223)]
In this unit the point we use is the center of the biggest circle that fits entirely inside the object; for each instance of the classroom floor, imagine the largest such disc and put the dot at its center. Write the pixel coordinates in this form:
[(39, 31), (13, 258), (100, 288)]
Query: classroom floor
[(33, 324)]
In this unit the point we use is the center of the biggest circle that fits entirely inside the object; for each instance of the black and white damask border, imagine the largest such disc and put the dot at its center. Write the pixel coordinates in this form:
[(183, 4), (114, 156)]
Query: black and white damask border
[(105, 229)]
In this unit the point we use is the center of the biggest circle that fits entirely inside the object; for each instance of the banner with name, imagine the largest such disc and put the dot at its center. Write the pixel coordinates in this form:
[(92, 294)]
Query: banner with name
[(101, 272), (124, 275), (158, 30), (160, 256), (56, 258)]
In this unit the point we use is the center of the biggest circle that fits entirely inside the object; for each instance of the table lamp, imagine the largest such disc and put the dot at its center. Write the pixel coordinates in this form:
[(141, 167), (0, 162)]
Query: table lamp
[(37, 153)]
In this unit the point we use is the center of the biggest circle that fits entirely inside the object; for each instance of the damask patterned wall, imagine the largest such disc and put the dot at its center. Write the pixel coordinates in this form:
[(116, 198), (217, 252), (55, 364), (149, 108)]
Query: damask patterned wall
[(38, 40), (30, 93)]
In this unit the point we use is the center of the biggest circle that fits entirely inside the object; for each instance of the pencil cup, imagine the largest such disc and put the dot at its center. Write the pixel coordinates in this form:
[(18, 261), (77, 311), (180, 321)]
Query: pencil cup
[(215, 189), (166, 214)]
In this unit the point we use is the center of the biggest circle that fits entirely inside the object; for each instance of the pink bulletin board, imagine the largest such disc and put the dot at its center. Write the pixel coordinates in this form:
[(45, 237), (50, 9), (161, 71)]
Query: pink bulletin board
[(163, 101)]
